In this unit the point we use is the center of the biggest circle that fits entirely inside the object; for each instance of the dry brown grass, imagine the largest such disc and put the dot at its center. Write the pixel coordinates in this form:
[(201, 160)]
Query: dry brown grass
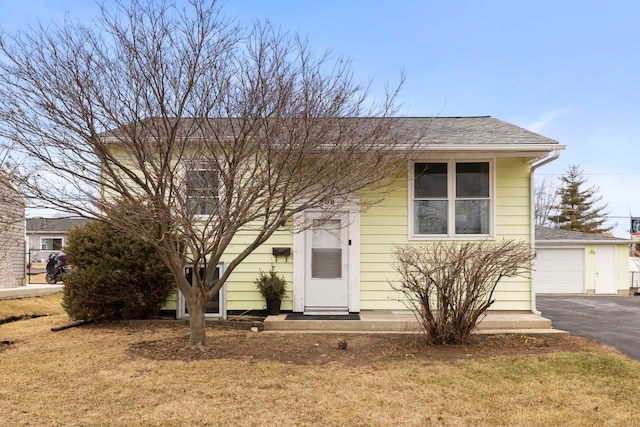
[(40, 306), (91, 376), (38, 279)]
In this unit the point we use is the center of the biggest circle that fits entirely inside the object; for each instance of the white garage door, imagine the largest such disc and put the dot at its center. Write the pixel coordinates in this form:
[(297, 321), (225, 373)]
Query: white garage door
[(559, 271)]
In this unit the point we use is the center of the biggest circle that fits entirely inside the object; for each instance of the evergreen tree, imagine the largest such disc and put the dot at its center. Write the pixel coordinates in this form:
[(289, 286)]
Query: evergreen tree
[(576, 209), (114, 276)]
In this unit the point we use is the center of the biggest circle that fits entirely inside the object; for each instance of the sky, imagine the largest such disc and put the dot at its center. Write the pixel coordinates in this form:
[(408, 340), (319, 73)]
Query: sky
[(566, 69)]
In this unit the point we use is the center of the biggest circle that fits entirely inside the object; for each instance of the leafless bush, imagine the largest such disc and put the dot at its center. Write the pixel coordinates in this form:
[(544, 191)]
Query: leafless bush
[(449, 285)]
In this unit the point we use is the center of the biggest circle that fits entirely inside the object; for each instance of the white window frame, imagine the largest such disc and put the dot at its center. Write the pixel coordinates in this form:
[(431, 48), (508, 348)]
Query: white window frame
[(201, 166), (222, 294), (451, 199), (52, 238)]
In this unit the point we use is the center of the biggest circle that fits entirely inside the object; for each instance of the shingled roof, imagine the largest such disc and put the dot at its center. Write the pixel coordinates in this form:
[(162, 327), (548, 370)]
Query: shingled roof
[(559, 235), (53, 225), (481, 130), (436, 133)]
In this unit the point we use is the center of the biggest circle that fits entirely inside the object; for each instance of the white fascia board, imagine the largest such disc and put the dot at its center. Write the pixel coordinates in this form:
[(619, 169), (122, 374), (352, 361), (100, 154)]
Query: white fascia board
[(530, 152), (531, 148)]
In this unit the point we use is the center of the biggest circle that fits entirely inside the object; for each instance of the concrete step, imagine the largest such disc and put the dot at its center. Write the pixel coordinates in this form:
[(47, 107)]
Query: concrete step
[(374, 321)]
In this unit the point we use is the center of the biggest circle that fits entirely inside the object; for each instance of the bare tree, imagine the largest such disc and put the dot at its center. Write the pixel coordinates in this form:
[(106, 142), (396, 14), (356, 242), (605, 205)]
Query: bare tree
[(186, 129), (545, 200), (449, 285)]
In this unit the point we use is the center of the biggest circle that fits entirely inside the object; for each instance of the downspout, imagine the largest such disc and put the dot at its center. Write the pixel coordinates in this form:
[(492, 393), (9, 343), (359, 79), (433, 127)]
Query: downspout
[(535, 166)]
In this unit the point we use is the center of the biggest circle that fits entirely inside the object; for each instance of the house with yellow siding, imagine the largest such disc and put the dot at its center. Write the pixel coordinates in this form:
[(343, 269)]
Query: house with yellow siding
[(471, 180)]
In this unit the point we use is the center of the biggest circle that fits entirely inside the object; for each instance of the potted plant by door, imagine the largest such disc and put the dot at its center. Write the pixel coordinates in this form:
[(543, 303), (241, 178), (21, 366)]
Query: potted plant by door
[(273, 288)]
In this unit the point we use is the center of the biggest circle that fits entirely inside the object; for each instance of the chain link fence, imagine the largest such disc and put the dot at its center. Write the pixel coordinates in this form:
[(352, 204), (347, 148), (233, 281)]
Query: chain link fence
[(634, 280), (37, 265)]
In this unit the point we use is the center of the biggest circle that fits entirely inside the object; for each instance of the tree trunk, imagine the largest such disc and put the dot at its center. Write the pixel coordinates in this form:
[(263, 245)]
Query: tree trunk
[(196, 322)]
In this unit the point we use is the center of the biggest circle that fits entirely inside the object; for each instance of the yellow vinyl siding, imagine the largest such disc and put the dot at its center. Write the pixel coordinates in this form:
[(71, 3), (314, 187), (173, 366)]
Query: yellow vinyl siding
[(513, 206), (382, 227), (242, 293), (590, 268), (622, 265), (622, 268), (385, 225), (513, 221)]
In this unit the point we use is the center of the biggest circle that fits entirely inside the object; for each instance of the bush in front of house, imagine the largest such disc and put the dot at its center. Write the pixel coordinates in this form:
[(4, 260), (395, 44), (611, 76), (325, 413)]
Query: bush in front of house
[(450, 284), (113, 276)]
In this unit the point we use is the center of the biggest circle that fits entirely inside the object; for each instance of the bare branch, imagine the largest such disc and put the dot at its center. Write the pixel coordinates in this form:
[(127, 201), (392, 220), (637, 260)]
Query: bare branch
[(449, 285), (545, 200), (186, 128)]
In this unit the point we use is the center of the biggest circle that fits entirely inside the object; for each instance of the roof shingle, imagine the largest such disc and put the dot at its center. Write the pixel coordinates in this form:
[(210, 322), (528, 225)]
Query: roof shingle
[(549, 234), (61, 225)]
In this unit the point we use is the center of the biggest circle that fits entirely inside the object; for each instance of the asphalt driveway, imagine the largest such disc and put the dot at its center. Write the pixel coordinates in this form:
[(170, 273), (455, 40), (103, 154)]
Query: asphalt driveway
[(611, 320)]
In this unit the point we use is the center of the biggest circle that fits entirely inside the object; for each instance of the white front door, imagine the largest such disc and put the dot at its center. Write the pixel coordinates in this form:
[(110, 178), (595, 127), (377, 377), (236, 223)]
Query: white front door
[(326, 285), (606, 280)]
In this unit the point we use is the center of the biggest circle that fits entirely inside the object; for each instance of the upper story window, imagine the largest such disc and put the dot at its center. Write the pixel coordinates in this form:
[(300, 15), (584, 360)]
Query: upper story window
[(202, 190), (451, 198)]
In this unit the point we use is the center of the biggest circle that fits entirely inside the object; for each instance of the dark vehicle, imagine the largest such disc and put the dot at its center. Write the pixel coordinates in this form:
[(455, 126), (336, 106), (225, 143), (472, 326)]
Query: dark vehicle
[(57, 268)]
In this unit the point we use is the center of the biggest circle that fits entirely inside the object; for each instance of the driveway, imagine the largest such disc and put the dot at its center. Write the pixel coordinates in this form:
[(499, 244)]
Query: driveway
[(611, 320)]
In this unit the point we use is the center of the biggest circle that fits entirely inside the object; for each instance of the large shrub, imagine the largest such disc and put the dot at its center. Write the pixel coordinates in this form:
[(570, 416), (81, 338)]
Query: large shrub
[(113, 276), (449, 284)]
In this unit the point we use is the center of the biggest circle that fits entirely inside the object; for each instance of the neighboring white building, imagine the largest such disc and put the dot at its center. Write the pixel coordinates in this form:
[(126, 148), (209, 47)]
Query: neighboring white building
[(49, 235)]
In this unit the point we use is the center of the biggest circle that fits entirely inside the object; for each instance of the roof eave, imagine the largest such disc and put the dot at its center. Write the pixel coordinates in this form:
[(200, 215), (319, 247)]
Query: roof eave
[(516, 148), (529, 152)]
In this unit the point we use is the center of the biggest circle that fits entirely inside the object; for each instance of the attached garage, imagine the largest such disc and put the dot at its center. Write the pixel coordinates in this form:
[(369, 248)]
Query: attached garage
[(570, 262)]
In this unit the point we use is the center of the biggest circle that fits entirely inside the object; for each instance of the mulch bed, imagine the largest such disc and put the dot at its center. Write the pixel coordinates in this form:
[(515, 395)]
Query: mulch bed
[(352, 349)]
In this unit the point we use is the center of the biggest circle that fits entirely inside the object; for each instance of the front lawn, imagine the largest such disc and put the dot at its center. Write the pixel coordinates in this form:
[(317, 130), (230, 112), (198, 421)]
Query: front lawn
[(139, 375)]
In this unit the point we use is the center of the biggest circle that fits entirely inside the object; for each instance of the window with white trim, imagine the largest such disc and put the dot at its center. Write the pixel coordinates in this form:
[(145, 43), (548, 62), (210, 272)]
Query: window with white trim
[(451, 198), (216, 308), (202, 190), (51, 243)]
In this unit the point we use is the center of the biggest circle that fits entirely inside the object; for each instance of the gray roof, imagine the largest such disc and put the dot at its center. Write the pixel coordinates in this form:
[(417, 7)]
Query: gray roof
[(557, 234), (482, 130), (475, 131), (53, 225)]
